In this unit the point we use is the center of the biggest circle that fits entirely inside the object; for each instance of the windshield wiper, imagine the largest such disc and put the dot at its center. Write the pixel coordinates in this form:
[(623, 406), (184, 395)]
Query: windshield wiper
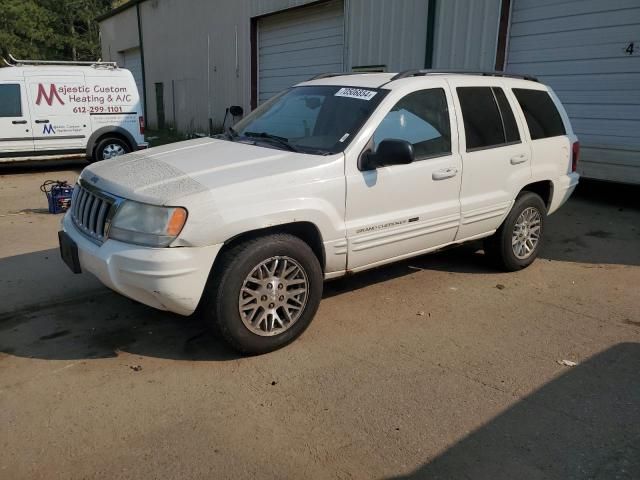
[(284, 142), (230, 133)]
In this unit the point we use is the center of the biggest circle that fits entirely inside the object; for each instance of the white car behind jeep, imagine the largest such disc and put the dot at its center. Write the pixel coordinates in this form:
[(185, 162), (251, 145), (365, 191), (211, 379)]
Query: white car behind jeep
[(335, 175), (56, 109)]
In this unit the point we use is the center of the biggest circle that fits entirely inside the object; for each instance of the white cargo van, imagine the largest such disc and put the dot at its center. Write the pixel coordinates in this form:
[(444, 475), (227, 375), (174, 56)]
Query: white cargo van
[(56, 109)]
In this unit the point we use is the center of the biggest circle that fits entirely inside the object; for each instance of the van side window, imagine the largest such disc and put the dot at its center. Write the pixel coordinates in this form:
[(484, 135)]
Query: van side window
[(488, 118), (542, 116), (422, 119), (10, 103)]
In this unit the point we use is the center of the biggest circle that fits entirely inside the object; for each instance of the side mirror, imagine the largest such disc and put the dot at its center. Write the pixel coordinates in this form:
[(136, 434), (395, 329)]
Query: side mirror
[(236, 111), (389, 152)]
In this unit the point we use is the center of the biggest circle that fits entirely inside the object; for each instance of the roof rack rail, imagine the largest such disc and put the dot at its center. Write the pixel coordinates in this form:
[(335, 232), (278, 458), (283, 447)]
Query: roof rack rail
[(99, 63), (418, 73), (335, 74)]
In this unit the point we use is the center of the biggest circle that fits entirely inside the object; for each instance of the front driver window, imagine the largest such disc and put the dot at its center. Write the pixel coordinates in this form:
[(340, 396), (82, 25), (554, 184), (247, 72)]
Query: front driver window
[(422, 119)]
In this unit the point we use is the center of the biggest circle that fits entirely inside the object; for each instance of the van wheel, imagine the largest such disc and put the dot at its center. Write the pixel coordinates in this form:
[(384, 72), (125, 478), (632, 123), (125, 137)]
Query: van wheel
[(516, 244), (110, 147), (264, 293)]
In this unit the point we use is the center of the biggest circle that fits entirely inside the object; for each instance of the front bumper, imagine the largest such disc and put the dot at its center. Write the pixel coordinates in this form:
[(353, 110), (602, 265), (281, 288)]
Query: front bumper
[(171, 279)]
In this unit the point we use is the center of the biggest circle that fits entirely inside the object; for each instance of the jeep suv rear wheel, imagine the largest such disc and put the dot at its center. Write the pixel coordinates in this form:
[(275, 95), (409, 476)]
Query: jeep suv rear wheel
[(264, 293), (516, 244)]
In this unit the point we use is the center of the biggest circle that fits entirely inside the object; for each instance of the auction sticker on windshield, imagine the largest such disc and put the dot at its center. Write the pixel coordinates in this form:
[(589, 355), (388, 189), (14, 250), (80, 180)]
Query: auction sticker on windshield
[(358, 93)]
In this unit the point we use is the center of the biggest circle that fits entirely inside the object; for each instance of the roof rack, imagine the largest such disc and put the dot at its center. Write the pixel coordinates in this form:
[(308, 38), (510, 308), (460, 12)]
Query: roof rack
[(17, 63), (329, 75), (419, 73)]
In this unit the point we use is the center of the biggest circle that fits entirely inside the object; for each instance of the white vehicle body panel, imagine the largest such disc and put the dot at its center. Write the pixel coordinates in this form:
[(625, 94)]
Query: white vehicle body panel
[(68, 108), (364, 218)]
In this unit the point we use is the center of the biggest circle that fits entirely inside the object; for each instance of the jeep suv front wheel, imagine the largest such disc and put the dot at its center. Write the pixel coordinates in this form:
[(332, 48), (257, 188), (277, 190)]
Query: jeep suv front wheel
[(264, 292)]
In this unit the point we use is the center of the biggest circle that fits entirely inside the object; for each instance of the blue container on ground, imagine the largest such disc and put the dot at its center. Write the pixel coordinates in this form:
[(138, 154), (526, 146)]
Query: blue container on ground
[(58, 194)]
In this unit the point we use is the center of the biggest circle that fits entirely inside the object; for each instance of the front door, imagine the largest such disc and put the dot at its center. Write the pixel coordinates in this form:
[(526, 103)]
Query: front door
[(60, 109), (15, 123), (402, 210)]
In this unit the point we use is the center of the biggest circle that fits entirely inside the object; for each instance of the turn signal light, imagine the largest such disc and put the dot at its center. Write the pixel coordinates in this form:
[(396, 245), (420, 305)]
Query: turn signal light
[(176, 222)]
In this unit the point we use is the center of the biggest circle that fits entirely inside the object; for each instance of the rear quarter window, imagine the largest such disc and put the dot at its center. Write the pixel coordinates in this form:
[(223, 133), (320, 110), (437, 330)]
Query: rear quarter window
[(543, 118)]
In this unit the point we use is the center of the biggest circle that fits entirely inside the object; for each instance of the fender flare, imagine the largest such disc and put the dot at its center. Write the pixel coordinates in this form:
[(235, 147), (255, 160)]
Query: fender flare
[(101, 132)]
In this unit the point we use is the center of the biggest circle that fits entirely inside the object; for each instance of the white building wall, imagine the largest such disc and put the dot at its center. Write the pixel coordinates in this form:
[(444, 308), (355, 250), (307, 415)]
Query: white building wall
[(580, 47)]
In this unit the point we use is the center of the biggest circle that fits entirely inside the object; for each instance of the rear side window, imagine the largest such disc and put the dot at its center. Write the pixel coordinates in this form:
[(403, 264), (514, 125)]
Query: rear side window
[(542, 116), (10, 104), (508, 120), (488, 118), (422, 119)]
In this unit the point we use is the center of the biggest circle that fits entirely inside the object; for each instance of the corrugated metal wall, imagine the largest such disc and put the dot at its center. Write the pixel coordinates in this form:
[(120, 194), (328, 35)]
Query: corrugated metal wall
[(386, 32), (466, 34), (578, 47), (379, 32)]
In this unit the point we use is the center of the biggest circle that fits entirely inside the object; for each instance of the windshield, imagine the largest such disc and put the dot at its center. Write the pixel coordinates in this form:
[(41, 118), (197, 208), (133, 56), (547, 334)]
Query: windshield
[(313, 119)]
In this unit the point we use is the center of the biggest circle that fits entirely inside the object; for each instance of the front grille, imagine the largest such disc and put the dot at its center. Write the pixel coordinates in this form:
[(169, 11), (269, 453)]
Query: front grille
[(91, 212)]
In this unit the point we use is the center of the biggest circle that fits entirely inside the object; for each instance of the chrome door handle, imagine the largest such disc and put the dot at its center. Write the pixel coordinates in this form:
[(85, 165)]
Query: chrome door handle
[(444, 173), (518, 159)]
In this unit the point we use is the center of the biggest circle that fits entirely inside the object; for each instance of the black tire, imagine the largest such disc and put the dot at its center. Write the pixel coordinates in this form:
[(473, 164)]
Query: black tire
[(499, 248), (100, 152), (221, 298)]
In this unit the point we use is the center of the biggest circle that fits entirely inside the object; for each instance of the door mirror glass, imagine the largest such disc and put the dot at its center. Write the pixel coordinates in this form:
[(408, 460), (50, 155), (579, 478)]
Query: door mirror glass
[(389, 152), (236, 111)]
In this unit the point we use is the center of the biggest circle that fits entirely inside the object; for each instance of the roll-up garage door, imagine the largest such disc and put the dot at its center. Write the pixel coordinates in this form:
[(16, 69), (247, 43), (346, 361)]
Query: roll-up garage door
[(588, 51), (294, 46), (132, 61)]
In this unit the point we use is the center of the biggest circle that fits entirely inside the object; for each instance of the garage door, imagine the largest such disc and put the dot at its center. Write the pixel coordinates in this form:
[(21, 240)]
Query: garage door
[(589, 52), (132, 61), (294, 46)]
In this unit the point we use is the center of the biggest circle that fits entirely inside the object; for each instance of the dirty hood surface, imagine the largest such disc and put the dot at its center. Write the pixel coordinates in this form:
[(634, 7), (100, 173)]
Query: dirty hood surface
[(163, 174)]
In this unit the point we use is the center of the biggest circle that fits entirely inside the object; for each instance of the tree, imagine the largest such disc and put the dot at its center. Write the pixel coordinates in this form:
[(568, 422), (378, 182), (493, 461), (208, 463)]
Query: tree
[(51, 29)]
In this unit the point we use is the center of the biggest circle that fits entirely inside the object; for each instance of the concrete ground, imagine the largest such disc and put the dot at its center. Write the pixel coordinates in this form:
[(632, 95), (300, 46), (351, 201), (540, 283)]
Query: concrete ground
[(437, 367)]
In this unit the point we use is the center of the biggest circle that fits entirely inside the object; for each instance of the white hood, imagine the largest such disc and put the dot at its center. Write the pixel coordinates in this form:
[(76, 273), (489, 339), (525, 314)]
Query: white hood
[(161, 175)]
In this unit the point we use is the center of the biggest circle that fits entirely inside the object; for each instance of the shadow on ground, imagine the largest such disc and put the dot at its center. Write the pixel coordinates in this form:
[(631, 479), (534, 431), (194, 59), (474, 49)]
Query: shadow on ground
[(583, 425), (96, 323), (34, 166), (103, 324)]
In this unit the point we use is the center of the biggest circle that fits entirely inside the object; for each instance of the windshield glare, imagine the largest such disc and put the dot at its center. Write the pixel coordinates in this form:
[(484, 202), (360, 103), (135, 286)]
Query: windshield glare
[(313, 119)]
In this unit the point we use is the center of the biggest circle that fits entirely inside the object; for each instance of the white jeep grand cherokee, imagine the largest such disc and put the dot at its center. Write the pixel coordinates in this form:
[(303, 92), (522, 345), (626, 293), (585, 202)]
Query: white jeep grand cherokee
[(335, 175)]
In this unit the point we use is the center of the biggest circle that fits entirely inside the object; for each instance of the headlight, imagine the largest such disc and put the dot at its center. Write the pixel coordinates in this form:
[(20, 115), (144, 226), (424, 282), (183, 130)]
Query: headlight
[(147, 224)]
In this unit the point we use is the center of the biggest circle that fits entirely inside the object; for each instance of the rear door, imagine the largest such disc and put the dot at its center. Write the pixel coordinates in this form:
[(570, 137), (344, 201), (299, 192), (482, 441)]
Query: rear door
[(15, 123), (60, 107), (550, 144), (496, 159)]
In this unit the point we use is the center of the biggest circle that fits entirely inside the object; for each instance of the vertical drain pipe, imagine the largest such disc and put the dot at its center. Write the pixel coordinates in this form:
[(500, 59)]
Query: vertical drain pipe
[(431, 33), (144, 76)]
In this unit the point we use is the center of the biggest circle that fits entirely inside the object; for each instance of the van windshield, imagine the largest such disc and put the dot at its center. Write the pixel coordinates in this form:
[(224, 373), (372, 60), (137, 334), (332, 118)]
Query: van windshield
[(311, 119)]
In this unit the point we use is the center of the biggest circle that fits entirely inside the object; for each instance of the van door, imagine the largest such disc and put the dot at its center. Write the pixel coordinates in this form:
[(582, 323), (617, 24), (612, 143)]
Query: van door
[(15, 122), (495, 155), (59, 107), (402, 210)]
